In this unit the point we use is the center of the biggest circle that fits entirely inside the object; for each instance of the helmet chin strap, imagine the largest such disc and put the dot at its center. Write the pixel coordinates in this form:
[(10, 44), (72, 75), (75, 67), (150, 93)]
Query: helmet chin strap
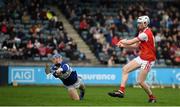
[(144, 27)]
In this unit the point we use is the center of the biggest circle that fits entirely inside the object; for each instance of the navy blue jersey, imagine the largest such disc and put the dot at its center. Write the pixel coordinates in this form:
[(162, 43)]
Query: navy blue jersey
[(68, 76)]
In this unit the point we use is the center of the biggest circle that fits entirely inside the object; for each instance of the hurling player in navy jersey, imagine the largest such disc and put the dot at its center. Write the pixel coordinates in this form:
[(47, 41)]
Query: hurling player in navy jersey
[(62, 70)]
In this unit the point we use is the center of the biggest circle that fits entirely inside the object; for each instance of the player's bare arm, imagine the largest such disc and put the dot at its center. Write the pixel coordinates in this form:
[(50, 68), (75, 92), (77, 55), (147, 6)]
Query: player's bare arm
[(47, 69), (128, 43), (135, 45)]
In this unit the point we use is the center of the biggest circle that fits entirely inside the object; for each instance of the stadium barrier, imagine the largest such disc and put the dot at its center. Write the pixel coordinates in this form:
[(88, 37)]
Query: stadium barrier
[(3, 75), (92, 76)]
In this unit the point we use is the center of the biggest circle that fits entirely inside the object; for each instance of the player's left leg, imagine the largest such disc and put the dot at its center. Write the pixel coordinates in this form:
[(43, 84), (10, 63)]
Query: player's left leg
[(141, 81), (73, 93)]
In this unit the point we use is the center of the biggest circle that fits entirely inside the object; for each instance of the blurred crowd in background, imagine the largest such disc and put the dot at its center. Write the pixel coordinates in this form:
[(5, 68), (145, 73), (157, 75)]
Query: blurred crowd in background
[(103, 23), (30, 29)]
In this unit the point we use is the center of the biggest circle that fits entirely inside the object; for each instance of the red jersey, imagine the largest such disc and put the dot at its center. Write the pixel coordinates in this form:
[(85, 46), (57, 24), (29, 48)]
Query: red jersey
[(147, 45)]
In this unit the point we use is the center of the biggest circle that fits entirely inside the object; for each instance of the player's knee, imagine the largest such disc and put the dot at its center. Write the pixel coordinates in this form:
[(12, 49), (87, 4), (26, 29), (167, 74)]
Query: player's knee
[(140, 82), (124, 69), (77, 98)]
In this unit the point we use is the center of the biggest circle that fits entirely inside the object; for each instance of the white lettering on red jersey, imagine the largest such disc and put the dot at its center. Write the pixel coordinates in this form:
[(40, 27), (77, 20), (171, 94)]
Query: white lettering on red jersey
[(147, 45)]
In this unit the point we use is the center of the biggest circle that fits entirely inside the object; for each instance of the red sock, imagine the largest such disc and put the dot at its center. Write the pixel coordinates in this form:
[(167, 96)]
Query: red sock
[(151, 96), (122, 89)]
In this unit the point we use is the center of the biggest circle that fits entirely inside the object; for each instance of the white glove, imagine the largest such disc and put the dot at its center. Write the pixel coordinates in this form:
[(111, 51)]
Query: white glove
[(59, 70)]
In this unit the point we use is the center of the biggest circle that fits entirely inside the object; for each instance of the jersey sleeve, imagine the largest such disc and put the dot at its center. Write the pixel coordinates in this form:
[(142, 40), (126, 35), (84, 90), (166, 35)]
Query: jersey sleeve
[(65, 68), (143, 37)]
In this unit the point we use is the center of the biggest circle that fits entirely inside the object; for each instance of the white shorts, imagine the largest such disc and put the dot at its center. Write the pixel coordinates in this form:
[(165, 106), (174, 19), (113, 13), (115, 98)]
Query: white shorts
[(75, 85), (144, 64)]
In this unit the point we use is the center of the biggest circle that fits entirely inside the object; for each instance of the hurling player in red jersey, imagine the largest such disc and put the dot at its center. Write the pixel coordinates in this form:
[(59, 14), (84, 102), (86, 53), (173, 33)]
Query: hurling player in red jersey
[(146, 59)]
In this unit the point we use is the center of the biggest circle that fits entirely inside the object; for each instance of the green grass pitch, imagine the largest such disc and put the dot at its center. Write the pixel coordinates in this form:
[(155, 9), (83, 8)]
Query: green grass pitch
[(95, 96)]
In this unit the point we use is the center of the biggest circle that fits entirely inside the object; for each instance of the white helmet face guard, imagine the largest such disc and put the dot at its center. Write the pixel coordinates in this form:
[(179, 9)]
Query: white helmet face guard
[(144, 19)]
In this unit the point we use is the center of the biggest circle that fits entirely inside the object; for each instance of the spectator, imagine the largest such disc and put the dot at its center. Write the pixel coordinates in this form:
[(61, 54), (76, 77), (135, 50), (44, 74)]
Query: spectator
[(4, 27), (111, 61), (25, 18), (115, 40), (84, 25), (42, 50)]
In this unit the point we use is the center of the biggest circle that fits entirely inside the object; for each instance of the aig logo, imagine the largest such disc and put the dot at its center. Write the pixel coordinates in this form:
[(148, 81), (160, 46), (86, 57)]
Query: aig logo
[(23, 75)]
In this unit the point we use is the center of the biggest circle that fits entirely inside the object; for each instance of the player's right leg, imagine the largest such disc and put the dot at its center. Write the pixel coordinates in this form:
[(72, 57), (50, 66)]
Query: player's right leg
[(132, 65), (73, 90), (82, 91), (125, 71), (73, 93)]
